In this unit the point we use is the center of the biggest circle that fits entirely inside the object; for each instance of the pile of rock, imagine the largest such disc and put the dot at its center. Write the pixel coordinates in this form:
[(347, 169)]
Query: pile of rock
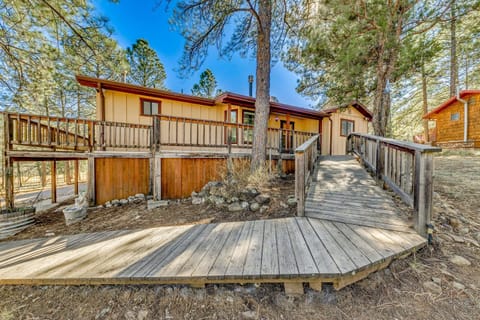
[(221, 196), (139, 197)]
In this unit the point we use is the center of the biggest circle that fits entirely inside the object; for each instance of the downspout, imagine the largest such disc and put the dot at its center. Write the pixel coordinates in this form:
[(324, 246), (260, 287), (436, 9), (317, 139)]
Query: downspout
[(331, 131), (465, 117)]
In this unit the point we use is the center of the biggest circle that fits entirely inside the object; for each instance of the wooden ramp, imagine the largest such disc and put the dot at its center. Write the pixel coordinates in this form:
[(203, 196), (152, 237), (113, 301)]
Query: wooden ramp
[(342, 191), (292, 251)]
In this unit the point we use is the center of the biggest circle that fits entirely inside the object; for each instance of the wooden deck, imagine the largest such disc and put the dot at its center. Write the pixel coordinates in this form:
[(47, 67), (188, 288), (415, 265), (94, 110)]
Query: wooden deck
[(337, 244)]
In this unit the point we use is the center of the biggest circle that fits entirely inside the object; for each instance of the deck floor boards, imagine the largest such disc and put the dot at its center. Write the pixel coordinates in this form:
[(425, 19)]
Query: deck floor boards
[(350, 225)]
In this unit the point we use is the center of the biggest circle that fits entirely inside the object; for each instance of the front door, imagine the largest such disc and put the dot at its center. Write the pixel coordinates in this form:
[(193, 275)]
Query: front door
[(287, 136)]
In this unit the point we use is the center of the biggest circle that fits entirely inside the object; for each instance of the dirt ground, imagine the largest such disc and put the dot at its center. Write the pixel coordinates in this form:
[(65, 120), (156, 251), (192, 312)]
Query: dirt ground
[(398, 292)]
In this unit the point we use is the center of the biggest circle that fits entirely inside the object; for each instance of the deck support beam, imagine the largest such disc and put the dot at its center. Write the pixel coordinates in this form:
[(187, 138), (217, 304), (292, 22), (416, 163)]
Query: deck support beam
[(75, 177), (293, 288), (91, 192), (157, 178), (53, 174)]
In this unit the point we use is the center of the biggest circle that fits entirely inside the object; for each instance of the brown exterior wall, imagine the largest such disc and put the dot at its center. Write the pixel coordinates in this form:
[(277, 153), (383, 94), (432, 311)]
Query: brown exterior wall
[(117, 178), (448, 130)]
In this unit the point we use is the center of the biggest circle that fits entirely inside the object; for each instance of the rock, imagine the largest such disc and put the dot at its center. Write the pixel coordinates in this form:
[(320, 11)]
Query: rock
[(234, 199), (249, 315), (212, 184), (248, 194), (262, 198), (131, 199), (115, 202), (283, 205), (123, 202), (99, 207), (244, 205), (458, 285), (140, 196), (432, 287), (235, 206), (454, 222), (194, 194), (198, 200), (437, 280), (263, 209), (216, 200), (459, 261), (152, 204), (254, 206), (291, 202), (108, 204)]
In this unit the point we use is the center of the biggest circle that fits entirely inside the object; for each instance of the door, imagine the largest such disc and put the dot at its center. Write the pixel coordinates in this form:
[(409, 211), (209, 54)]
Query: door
[(287, 136)]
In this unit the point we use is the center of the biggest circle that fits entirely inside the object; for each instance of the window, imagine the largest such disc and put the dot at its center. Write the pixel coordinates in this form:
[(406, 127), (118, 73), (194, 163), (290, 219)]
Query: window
[(150, 107), (233, 119), (249, 119), (455, 116), (347, 127)]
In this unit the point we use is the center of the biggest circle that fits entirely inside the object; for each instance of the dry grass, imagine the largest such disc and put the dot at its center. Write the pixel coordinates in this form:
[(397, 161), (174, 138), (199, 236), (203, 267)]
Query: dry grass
[(237, 175)]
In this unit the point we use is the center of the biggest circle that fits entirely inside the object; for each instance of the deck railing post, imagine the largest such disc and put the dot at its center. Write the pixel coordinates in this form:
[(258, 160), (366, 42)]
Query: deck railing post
[(300, 182), (155, 134), (379, 160), (423, 191)]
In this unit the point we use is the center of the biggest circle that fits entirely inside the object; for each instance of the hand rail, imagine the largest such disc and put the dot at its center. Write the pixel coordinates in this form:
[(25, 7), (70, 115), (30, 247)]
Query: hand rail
[(406, 167), (305, 159)]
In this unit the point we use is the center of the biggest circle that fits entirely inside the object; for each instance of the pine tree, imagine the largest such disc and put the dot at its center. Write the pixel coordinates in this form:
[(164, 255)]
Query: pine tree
[(207, 86), (146, 69)]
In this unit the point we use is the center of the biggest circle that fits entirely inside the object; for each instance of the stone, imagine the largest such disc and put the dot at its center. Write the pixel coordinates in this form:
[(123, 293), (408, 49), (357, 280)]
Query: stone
[(291, 202), (108, 204), (249, 315), (459, 261), (152, 204), (248, 194), (437, 280), (244, 205), (234, 207), (454, 222), (131, 199), (432, 287), (262, 198), (194, 194), (283, 205), (254, 206), (263, 209), (198, 200), (234, 199), (123, 202), (140, 196), (115, 202), (458, 285), (216, 200)]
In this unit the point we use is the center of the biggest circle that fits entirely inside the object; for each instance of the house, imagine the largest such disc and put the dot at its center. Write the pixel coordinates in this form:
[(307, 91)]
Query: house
[(457, 121), (351, 117), (289, 125)]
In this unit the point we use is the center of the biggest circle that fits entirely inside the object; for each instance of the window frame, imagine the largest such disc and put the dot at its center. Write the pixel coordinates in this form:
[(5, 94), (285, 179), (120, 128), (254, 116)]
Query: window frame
[(346, 120), (457, 116), (142, 100), (233, 129), (247, 131)]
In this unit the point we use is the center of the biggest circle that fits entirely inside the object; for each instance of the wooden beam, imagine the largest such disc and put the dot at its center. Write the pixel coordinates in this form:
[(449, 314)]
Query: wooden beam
[(75, 177), (53, 174), (91, 192), (423, 193), (157, 178), (293, 288)]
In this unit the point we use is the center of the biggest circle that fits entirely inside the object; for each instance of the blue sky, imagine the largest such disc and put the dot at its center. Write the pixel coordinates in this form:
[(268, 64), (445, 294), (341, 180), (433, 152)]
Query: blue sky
[(132, 21)]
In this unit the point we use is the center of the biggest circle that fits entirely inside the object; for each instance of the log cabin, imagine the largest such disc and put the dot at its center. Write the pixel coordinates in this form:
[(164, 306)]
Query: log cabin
[(457, 121)]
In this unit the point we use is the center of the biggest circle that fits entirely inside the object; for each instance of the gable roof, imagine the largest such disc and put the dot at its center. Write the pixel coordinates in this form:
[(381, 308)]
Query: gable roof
[(357, 105), (449, 102), (226, 97)]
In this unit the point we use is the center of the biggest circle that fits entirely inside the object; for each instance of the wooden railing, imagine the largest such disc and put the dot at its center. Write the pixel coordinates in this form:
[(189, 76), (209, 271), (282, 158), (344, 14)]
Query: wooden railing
[(305, 159), (188, 132), (73, 134), (407, 168)]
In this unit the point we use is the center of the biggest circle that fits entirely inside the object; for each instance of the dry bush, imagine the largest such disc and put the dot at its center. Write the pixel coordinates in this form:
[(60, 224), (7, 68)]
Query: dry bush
[(239, 176)]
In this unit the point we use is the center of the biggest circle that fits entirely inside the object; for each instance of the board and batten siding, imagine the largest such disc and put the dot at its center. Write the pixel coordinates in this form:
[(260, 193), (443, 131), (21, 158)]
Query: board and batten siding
[(338, 141), (452, 130)]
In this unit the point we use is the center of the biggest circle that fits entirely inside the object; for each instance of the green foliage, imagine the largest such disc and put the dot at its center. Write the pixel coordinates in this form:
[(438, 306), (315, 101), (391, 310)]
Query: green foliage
[(207, 86), (146, 69)]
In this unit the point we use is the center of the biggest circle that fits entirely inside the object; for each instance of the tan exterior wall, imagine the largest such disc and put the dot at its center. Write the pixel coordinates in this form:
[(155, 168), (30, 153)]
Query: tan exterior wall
[(452, 130), (338, 141)]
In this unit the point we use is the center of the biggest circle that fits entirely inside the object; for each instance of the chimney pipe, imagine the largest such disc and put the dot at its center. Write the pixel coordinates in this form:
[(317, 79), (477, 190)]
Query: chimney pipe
[(250, 85)]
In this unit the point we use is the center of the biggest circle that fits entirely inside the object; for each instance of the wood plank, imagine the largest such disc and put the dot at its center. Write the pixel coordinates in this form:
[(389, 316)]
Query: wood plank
[(325, 264), (367, 250), (342, 260), (235, 268), (253, 262), (223, 260), (369, 215), (305, 263), (286, 259), (269, 251)]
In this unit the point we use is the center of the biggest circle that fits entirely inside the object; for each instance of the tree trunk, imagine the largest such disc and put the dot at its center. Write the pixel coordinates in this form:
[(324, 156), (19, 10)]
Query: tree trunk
[(453, 52), (262, 103), (425, 103)]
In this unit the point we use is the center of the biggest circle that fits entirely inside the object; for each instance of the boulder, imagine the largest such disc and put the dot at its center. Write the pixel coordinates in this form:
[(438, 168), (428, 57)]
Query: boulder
[(140, 196), (244, 205), (291, 201), (115, 202), (216, 200), (459, 261), (234, 207), (254, 206), (262, 198), (198, 200), (263, 209), (123, 202)]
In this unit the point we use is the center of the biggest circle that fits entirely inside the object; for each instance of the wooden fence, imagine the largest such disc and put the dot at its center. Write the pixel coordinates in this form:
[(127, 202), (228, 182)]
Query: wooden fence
[(305, 158), (407, 168)]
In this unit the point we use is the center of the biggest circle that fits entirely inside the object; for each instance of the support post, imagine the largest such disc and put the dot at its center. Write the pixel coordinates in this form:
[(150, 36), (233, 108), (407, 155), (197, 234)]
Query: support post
[(8, 172), (53, 174), (423, 192), (300, 182), (156, 134), (75, 177), (91, 192), (157, 178)]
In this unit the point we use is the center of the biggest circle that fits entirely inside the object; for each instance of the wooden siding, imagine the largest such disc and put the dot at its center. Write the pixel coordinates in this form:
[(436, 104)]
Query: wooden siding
[(452, 130), (118, 178)]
